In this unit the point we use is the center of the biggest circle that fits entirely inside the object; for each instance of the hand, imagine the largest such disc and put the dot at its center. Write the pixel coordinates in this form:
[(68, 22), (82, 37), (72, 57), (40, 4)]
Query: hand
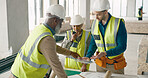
[(75, 55), (74, 36), (84, 58), (101, 54), (83, 69)]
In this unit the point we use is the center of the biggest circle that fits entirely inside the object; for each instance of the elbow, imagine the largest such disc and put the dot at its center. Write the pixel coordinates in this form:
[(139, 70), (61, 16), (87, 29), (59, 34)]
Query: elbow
[(123, 48)]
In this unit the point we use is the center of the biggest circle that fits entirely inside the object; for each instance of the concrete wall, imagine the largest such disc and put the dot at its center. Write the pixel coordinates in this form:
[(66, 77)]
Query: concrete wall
[(3, 27), (18, 25)]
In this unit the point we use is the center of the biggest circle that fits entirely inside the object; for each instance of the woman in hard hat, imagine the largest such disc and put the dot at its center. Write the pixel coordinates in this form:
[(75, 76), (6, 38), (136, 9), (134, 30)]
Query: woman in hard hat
[(77, 40), (109, 38)]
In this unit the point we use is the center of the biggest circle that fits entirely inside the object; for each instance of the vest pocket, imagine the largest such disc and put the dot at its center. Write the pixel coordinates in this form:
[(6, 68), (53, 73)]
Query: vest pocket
[(101, 62), (96, 37), (120, 65)]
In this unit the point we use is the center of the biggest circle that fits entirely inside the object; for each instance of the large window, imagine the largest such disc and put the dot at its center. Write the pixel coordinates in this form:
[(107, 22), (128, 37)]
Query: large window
[(37, 10), (143, 3), (71, 6), (118, 7)]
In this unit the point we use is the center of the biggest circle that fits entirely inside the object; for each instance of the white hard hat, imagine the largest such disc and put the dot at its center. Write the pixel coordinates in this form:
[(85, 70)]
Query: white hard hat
[(76, 20), (101, 5), (57, 10)]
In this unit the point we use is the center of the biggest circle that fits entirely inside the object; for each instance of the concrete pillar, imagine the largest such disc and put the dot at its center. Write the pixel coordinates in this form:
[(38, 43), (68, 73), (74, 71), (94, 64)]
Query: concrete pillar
[(17, 22), (53, 2), (3, 29), (131, 8), (85, 12), (46, 4), (116, 8)]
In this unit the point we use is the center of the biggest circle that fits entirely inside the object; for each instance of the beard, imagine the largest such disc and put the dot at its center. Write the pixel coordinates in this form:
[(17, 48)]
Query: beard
[(103, 18), (57, 29)]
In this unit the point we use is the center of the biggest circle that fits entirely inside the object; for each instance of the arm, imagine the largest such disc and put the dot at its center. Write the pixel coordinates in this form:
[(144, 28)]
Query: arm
[(121, 41), (48, 48), (92, 48), (61, 50), (67, 52), (88, 42)]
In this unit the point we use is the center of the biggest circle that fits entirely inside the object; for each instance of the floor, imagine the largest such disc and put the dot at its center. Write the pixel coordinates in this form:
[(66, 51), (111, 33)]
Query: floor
[(130, 55)]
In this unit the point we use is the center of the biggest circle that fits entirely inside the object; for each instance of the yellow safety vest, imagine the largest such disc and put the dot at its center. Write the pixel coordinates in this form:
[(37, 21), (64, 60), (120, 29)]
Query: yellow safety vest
[(79, 47), (29, 63), (109, 36), (139, 15)]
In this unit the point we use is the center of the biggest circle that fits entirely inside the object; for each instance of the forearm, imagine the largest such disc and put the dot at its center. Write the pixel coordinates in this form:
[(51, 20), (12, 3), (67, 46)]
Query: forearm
[(55, 64), (61, 50), (117, 50), (47, 47)]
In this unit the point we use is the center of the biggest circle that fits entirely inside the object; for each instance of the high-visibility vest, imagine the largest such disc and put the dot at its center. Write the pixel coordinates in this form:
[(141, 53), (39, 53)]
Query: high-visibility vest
[(29, 63), (109, 36), (78, 47), (139, 15)]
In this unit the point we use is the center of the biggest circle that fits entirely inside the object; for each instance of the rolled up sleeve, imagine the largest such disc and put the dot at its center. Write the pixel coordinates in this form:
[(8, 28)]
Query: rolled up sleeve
[(47, 47)]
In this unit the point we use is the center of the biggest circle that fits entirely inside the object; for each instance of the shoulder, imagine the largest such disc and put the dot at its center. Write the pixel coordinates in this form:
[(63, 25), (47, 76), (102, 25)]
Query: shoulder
[(69, 31), (87, 32), (46, 43), (48, 39), (119, 19), (122, 21)]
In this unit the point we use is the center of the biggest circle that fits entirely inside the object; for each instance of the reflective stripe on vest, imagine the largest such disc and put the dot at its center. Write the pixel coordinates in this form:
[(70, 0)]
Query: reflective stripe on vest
[(27, 59), (139, 15), (86, 37), (114, 29), (107, 45)]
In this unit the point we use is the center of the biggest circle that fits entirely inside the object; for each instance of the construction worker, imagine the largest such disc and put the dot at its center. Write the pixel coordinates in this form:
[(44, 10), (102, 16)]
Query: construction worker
[(77, 40), (109, 36), (38, 54), (140, 13)]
